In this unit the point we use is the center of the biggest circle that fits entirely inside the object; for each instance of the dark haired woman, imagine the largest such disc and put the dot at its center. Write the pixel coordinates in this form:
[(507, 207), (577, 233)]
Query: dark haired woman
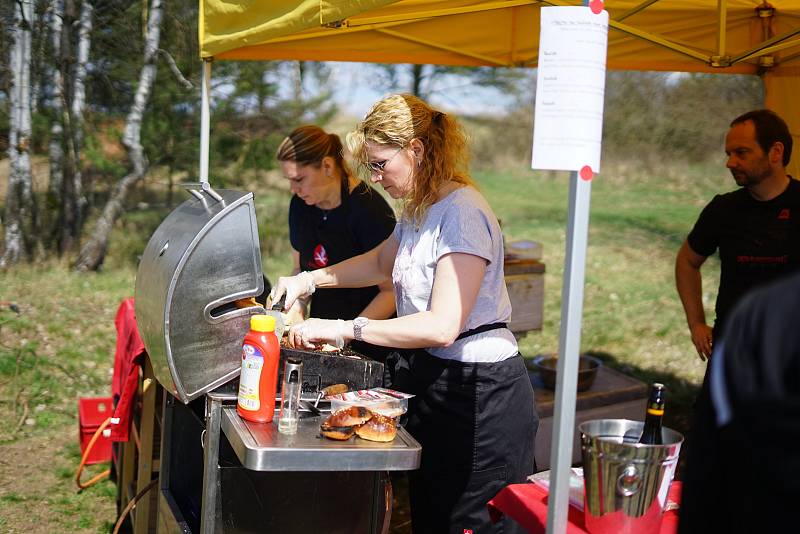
[(333, 216)]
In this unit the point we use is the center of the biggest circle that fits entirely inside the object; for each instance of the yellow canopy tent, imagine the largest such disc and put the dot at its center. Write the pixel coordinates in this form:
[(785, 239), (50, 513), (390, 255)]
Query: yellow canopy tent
[(718, 36)]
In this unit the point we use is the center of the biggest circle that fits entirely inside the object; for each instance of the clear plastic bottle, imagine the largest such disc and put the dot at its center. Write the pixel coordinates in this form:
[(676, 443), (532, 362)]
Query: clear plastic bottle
[(290, 396), (258, 381)]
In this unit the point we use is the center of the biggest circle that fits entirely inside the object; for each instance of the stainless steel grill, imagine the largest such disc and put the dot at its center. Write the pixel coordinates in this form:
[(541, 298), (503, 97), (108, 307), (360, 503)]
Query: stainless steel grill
[(219, 473)]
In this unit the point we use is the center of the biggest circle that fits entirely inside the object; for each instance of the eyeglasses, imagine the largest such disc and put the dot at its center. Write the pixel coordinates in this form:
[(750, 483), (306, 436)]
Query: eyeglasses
[(376, 167)]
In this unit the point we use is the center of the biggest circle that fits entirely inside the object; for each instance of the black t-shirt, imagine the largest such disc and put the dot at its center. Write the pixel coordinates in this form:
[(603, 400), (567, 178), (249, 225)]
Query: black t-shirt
[(758, 241), (326, 237)]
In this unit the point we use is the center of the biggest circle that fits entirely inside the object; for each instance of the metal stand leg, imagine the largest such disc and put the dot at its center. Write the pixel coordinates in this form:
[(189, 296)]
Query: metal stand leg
[(388, 497), (146, 469), (210, 460)]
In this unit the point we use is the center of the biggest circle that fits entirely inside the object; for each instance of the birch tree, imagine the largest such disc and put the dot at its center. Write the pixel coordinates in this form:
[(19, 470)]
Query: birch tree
[(56, 150), (77, 202), (71, 42), (39, 59), (21, 225), (93, 252), (66, 227)]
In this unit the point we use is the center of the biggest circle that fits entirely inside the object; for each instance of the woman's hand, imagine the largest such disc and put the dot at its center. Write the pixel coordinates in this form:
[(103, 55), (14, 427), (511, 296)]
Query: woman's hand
[(294, 287), (314, 332)]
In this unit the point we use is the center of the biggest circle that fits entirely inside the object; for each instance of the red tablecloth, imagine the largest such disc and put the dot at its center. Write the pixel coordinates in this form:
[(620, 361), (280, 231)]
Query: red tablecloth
[(527, 505)]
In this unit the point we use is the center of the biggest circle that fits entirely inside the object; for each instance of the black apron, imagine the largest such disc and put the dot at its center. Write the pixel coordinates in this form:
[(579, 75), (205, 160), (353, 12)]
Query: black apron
[(477, 426)]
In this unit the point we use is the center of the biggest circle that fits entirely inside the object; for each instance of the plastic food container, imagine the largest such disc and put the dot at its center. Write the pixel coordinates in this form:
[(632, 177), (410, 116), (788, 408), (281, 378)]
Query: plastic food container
[(524, 249), (379, 400)]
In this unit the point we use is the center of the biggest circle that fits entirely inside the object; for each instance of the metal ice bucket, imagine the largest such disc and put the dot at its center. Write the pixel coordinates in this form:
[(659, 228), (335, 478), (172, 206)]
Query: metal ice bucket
[(625, 483)]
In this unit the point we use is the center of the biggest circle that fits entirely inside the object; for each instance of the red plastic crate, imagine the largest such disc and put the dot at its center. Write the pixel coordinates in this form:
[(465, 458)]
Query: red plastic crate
[(92, 411)]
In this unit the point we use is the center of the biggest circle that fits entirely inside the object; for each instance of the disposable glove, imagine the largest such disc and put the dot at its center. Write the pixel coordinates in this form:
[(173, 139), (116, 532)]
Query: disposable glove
[(294, 287), (312, 333)]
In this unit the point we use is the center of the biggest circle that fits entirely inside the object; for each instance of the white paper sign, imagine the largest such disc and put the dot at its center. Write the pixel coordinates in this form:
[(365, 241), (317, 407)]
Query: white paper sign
[(570, 86)]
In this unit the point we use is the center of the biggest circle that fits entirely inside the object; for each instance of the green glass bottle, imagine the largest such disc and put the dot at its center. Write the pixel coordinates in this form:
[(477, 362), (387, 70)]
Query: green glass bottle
[(651, 434)]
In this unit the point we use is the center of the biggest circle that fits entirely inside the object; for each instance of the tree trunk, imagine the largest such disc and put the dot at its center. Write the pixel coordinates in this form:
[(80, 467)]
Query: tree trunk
[(93, 252), (56, 130), (38, 65), (66, 223), (21, 225), (78, 104), (299, 73), (417, 75)]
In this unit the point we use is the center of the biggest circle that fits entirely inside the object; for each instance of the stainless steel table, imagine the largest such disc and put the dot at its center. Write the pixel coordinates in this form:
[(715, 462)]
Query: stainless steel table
[(259, 446)]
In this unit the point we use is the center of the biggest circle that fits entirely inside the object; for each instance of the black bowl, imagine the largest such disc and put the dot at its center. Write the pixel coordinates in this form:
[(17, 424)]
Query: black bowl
[(545, 365)]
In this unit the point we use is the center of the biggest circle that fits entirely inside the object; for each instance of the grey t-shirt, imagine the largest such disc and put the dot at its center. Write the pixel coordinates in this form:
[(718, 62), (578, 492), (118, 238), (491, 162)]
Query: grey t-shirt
[(461, 222)]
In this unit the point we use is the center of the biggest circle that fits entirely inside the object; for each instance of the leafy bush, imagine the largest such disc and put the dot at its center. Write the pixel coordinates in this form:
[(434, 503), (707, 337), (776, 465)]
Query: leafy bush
[(649, 118), (652, 117)]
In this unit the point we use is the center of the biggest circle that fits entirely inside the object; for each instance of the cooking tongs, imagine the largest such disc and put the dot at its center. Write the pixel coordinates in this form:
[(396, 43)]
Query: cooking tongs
[(276, 311), (333, 389)]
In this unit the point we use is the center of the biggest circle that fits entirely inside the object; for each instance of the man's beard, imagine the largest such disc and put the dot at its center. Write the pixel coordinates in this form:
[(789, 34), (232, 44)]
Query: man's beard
[(753, 177)]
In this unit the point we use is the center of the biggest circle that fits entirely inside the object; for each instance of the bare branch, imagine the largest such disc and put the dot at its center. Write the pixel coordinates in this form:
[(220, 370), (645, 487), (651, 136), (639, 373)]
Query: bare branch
[(175, 70), (22, 419)]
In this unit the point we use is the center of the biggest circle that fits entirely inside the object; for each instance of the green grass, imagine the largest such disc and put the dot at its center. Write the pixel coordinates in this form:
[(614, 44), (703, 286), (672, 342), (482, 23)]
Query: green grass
[(60, 347), (632, 317)]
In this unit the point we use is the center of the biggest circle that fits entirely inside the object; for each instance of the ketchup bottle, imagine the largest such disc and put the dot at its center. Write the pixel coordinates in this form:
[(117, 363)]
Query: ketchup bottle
[(258, 381)]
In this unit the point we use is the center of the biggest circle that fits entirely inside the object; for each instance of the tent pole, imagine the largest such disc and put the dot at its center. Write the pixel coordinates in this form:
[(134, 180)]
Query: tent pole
[(569, 348), (205, 119)]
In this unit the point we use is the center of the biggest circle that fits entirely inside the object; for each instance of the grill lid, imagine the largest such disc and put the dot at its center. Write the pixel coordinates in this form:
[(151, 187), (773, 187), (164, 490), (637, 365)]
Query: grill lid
[(203, 257)]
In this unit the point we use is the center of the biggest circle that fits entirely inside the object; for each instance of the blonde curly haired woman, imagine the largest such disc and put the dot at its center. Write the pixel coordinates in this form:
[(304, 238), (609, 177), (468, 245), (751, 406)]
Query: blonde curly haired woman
[(473, 410)]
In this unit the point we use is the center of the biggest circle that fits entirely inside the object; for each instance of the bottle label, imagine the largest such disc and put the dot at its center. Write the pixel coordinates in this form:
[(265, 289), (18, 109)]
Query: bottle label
[(252, 363), (655, 411)]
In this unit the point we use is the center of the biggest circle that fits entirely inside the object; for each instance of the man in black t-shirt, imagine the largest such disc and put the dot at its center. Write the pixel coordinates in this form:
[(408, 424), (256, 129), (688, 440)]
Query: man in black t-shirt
[(756, 228)]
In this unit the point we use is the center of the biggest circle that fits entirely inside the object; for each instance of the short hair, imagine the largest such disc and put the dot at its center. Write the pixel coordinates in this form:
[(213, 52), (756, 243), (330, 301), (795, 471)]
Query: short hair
[(770, 129), (309, 145)]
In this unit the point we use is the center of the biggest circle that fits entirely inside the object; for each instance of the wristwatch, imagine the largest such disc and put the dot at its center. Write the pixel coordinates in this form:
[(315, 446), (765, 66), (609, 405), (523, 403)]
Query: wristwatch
[(358, 324)]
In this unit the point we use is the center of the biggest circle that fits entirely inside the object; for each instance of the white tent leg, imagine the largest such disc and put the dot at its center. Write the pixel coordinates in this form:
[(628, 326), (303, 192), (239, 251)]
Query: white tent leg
[(569, 348), (205, 119)]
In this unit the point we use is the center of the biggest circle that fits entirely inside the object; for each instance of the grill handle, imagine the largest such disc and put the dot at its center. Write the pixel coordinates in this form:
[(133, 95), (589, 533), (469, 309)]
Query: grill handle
[(196, 189)]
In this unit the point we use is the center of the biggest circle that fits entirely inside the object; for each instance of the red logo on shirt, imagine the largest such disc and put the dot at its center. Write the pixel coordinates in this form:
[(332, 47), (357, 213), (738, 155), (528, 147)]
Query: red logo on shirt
[(467, 531), (784, 215), (320, 258)]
